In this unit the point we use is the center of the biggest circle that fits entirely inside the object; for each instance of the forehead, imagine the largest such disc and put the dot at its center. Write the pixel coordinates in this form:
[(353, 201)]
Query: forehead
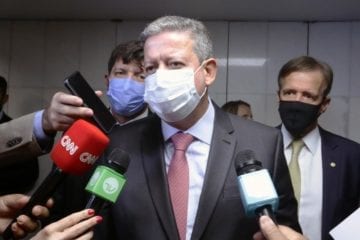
[(172, 43), (308, 80), (131, 66), (243, 107)]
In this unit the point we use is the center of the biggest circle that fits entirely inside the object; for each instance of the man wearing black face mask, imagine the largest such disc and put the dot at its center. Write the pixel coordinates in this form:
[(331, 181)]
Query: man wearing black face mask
[(324, 167)]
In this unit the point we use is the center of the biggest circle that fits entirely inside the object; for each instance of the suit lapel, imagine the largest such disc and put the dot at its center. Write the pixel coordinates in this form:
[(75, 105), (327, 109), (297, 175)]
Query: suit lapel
[(220, 159), (152, 145), (331, 168)]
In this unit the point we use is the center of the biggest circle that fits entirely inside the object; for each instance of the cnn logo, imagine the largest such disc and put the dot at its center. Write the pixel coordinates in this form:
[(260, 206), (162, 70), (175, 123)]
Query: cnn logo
[(69, 145)]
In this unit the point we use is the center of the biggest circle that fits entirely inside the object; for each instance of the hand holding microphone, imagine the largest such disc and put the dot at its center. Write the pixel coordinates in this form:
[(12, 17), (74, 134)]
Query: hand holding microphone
[(270, 231), (257, 190), (75, 153), (10, 204)]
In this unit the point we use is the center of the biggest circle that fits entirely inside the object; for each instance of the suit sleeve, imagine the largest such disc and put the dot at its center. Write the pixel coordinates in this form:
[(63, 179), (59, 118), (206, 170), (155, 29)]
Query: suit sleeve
[(17, 139), (287, 212)]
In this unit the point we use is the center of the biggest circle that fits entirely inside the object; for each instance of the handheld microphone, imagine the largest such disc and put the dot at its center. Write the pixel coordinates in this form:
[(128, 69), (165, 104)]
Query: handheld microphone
[(257, 190), (75, 153), (107, 182)]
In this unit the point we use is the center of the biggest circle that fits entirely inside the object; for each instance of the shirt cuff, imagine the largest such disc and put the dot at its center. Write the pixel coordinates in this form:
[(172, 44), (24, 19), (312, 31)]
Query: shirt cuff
[(45, 141)]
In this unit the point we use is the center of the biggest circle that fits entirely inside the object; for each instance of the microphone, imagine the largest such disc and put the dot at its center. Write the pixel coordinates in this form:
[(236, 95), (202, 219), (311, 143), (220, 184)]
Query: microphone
[(257, 190), (107, 182), (75, 153)]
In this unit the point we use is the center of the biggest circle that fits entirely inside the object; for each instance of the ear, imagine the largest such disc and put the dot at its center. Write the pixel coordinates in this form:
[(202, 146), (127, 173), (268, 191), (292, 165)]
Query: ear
[(325, 104), (278, 96), (106, 81), (210, 70)]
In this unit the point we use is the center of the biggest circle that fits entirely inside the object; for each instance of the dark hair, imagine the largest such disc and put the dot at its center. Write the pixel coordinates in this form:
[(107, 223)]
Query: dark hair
[(127, 52), (3, 85), (232, 106), (306, 64)]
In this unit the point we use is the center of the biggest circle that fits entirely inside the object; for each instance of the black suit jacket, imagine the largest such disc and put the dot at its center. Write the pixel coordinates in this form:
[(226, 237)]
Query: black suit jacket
[(143, 210), (20, 176), (341, 179)]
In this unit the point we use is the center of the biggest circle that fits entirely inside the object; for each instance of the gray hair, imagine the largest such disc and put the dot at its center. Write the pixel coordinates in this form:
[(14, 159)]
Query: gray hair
[(202, 43)]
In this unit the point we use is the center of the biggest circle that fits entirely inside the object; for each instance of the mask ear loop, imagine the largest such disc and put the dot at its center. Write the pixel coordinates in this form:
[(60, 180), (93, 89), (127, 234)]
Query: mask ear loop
[(206, 87)]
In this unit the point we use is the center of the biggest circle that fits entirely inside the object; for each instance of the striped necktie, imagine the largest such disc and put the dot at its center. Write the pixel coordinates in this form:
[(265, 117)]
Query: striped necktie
[(178, 178)]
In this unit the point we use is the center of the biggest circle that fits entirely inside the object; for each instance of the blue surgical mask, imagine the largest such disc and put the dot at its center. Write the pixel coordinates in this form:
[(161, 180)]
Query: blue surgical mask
[(126, 96)]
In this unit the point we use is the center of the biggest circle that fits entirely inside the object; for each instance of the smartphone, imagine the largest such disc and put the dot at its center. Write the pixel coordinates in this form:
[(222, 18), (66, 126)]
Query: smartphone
[(78, 86)]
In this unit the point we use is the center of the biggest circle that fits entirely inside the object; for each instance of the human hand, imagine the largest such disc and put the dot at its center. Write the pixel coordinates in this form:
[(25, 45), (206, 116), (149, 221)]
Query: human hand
[(10, 205), (269, 231), (71, 227), (63, 110)]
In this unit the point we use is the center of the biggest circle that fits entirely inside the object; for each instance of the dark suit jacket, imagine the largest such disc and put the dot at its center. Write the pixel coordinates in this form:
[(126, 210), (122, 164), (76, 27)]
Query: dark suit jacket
[(341, 179), (143, 210), (20, 175)]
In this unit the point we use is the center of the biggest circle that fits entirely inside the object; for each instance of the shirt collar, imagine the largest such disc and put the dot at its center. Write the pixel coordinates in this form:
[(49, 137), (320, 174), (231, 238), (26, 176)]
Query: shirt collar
[(201, 130), (142, 115), (311, 139)]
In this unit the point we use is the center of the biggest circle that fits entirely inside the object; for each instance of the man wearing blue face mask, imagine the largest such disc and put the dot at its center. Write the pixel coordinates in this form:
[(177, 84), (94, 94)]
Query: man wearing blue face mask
[(125, 92), (125, 82), (324, 167)]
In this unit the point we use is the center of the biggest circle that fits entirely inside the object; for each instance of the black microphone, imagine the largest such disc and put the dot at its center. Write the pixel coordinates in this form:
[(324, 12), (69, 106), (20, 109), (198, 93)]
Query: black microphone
[(74, 153), (107, 182), (257, 190)]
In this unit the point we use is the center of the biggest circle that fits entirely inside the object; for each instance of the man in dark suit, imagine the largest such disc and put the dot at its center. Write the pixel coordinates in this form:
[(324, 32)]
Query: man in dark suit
[(21, 175), (180, 67), (326, 173)]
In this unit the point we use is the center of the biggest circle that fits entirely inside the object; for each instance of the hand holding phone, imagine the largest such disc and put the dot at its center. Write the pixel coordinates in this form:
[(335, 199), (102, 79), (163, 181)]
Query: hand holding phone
[(78, 86)]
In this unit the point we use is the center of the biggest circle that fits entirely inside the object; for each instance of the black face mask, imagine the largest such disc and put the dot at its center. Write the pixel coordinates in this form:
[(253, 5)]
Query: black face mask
[(297, 116)]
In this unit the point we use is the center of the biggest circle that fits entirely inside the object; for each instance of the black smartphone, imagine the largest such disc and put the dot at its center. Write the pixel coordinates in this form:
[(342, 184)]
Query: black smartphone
[(78, 86)]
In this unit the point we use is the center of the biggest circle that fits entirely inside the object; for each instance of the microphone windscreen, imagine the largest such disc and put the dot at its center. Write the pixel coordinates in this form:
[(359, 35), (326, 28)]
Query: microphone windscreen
[(79, 147), (245, 162), (119, 160)]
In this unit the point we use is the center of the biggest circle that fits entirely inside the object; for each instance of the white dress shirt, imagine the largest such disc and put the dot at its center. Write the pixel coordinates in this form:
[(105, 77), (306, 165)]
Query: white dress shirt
[(197, 157), (310, 163)]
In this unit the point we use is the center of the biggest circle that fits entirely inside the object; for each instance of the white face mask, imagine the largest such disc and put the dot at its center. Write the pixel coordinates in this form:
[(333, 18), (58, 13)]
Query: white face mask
[(172, 94)]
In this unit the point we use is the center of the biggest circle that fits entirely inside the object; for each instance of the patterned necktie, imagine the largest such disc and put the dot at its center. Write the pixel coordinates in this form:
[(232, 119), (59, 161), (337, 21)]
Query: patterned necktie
[(294, 168), (178, 177)]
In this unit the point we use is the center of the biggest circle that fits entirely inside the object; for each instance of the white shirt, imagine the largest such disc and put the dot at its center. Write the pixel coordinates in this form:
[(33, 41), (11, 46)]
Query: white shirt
[(310, 163), (197, 157)]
